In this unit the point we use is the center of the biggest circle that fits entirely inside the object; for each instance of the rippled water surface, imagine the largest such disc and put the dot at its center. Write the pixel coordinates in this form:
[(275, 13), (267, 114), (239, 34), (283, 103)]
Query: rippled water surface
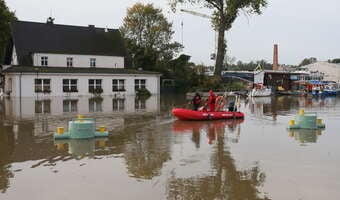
[(151, 155)]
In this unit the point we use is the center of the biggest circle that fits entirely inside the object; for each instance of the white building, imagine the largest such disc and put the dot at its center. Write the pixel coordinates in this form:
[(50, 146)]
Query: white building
[(329, 71), (46, 59)]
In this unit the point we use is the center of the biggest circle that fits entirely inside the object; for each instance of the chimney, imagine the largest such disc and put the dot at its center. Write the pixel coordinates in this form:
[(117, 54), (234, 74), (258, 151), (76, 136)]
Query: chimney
[(276, 58)]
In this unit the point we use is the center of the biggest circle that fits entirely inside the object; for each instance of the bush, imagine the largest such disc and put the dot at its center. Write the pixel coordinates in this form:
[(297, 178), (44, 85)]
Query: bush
[(143, 92)]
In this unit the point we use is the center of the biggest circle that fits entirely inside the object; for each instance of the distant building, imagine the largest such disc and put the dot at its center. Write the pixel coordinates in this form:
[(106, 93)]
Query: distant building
[(46, 59), (323, 70)]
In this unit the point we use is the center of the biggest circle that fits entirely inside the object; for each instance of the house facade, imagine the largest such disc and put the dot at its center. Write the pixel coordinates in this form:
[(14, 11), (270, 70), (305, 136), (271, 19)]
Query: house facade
[(46, 59)]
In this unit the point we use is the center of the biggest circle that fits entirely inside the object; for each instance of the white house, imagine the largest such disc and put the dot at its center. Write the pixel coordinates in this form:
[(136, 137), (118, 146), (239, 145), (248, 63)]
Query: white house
[(46, 59), (329, 71)]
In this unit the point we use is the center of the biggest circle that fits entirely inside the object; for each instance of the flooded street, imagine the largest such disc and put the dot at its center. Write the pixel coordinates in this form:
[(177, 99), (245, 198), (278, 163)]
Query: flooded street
[(151, 155)]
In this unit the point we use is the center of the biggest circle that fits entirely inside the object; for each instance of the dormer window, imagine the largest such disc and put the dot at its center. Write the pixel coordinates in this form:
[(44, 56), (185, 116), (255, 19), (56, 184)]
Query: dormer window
[(44, 61), (92, 62), (69, 62)]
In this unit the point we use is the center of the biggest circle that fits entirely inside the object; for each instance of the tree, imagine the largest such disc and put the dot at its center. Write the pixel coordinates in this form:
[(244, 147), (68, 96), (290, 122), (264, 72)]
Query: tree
[(335, 60), (148, 36), (308, 61), (224, 14), (6, 17)]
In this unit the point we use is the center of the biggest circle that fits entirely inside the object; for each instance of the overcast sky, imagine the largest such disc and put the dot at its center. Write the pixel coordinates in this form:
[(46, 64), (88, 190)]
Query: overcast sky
[(301, 28)]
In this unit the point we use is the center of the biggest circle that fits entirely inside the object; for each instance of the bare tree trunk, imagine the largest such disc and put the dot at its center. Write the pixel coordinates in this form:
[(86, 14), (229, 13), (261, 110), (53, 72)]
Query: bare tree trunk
[(220, 50)]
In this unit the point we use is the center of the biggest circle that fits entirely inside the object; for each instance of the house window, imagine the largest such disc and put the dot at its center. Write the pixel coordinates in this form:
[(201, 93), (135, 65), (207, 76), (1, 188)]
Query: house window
[(44, 61), (118, 104), (70, 105), (70, 85), (95, 86), (69, 62), (43, 106), (92, 62), (140, 84), (42, 85), (118, 85)]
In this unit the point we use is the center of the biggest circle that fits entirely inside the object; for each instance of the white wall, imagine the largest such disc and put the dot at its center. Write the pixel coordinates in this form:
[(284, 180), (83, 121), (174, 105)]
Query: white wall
[(25, 108), (59, 60), (14, 57), (331, 70), (27, 84)]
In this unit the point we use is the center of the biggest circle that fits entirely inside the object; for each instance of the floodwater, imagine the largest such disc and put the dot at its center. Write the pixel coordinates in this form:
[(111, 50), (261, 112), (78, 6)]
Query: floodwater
[(151, 155)]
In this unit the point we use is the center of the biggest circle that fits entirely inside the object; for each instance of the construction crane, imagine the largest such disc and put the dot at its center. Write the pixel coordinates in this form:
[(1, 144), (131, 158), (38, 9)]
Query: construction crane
[(213, 55), (196, 13)]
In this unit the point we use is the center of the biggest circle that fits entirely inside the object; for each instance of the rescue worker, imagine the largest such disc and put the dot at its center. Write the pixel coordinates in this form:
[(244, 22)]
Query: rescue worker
[(211, 101)]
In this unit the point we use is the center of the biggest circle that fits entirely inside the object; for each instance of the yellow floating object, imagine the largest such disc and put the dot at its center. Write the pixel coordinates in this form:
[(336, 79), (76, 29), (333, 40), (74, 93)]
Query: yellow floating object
[(291, 122), (318, 121), (102, 143), (101, 129), (60, 147), (60, 130), (80, 118), (301, 112)]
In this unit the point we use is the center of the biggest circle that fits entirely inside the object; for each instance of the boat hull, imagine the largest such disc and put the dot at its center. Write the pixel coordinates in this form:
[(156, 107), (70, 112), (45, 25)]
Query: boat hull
[(186, 114)]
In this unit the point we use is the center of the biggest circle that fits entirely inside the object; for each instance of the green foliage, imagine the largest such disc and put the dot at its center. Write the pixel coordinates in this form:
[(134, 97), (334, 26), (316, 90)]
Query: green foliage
[(225, 13), (96, 91), (336, 60), (243, 66), (148, 37), (308, 61), (6, 17), (143, 92)]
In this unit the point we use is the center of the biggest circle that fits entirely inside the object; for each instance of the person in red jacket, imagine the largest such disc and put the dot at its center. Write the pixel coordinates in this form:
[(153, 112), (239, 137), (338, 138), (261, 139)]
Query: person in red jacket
[(211, 101)]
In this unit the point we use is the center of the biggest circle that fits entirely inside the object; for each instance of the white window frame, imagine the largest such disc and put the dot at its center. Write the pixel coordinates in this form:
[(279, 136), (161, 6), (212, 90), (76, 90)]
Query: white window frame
[(43, 86), (70, 85), (118, 85), (69, 61), (140, 84), (44, 61), (97, 83), (92, 62)]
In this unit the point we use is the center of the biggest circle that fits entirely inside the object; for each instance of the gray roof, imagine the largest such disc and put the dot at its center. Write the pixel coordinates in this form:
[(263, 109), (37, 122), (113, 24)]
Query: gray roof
[(75, 70), (33, 37)]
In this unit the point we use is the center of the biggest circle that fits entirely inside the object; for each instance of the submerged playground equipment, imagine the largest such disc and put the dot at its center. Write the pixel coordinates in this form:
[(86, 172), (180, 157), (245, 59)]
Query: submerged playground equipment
[(81, 128), (306, 120)]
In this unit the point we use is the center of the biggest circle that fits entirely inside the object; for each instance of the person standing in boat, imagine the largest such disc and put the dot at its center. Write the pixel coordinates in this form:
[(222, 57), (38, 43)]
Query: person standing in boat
[(196, 101), (211, 101)]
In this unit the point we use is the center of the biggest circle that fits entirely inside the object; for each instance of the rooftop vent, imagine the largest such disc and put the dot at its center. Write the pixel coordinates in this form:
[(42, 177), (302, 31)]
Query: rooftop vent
[(50, 20), (91, 26)]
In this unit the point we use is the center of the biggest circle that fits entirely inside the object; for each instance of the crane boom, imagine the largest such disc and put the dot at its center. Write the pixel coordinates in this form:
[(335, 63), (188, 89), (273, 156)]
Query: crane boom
[(196, 13)]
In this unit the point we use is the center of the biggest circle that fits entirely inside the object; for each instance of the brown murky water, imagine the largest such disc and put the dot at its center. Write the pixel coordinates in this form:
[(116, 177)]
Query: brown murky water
[(151, 155)]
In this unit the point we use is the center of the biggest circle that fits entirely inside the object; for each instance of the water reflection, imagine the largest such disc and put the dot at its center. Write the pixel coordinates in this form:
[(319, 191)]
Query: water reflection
[(212, 128), (225, 181), (304, 136), (26, 107), (81, 147)]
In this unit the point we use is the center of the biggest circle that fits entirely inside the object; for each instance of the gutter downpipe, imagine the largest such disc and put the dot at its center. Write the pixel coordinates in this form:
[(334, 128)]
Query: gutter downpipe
[(20, 103)]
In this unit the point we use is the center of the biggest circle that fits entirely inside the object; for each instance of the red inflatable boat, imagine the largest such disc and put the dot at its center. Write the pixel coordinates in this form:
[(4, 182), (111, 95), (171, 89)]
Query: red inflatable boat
[(187, 114)]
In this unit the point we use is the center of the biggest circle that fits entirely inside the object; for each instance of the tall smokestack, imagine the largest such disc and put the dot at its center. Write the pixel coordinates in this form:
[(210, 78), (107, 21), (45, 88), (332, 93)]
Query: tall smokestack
[(276, 58)]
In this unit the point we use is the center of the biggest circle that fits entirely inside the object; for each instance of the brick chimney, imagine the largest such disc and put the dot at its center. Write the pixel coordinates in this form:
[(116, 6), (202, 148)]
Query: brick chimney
[(276, 58)]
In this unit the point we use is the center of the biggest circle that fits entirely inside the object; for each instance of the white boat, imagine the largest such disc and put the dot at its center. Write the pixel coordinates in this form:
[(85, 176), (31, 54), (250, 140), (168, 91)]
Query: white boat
[(331, 89), (260, 92)]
